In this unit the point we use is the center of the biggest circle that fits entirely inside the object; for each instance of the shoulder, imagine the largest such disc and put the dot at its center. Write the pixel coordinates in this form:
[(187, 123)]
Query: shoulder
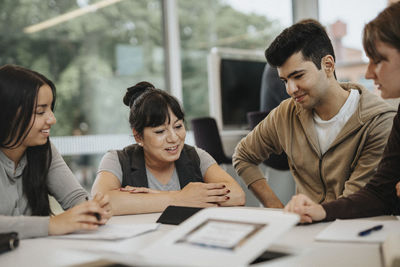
[(127, 152), (283, 114), (370, 105), (55, 154), (54, 150), (191, 152), (130, 148), (287, 108), (204, 155), (198, 155), (110, 155), (206, 160)]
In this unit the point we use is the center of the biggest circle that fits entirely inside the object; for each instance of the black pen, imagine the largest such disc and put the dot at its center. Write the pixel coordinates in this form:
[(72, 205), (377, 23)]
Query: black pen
[(369, 230), (96, 214)]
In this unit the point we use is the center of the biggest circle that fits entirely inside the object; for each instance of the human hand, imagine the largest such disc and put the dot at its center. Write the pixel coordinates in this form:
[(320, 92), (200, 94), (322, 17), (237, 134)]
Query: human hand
[(398, 189), (202, 194), (80, 217), (308, 210), (134, 190), (104, 203)]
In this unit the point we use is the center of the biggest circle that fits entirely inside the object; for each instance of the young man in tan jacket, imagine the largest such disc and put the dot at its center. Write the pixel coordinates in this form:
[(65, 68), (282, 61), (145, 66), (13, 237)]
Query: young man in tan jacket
[(333, 133)]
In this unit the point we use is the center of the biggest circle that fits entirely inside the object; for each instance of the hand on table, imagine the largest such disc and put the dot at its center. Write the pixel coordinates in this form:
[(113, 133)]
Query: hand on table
[(202, 194), (104, 203), (308, 210), (81, 217)]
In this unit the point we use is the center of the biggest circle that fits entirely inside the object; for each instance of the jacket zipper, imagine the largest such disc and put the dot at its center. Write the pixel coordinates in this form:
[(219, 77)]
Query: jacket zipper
[(322, 181)]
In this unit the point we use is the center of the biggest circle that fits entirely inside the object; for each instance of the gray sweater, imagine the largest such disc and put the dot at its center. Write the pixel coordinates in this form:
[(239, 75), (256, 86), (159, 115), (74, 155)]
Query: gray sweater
[(14, 209)]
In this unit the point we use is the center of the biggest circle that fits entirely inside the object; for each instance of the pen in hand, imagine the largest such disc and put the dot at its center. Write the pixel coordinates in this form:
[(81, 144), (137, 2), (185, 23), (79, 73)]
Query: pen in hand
[(96, 214), (369, 230)]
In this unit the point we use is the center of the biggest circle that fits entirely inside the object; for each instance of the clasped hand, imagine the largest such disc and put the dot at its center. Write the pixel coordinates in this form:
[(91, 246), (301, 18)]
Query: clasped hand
[(308, 210), (194, 194), (198, 194)]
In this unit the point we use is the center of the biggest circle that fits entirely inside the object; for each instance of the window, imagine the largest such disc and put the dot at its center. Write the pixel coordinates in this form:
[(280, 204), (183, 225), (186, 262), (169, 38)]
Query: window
[(231, 23), (92, 50), (345, 28)]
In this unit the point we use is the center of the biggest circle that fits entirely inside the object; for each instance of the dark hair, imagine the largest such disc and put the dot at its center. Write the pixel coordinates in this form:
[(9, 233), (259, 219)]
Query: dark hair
[(149, 106), (308, 37), (385, 28), (19, 89)]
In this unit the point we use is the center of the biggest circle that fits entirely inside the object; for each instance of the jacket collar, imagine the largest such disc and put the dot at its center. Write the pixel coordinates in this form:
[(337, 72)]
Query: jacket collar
[(369, 106)]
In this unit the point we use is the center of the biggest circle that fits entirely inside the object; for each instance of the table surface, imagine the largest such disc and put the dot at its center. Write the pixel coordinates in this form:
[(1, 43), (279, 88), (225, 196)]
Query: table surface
[(299, 242)]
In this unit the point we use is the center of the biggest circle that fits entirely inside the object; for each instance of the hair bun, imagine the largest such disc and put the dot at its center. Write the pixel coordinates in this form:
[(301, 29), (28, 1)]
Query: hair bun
[(133, 92)]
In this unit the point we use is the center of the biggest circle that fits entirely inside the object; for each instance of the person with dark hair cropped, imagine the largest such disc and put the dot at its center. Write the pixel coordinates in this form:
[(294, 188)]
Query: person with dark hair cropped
[(160, 169), (272, 87), (31, 167), (332, 133), (381, 195)]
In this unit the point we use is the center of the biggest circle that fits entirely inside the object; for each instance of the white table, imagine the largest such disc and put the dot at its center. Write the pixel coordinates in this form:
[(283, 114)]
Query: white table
[(299, 241)]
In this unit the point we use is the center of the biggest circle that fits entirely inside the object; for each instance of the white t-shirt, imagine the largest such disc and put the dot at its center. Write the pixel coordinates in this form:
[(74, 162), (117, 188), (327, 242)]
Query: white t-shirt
[(110, 163), (328, 130)]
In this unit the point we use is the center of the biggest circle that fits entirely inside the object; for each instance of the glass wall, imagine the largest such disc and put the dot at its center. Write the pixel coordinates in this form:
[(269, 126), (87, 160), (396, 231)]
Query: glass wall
[(345, 26), (92, 50), (217, 23)]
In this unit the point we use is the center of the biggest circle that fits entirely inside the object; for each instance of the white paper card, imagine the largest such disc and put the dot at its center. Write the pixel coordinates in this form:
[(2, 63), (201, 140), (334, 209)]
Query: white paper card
[(112, 231), (231, 236), (221, 234), (348, 230)]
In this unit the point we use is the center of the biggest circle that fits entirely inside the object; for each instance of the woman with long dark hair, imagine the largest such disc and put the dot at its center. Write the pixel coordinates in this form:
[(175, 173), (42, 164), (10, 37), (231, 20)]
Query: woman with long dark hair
[(31, 168)]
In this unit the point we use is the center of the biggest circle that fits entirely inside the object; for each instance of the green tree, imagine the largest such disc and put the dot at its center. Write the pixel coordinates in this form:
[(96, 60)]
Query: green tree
[(92, 58)]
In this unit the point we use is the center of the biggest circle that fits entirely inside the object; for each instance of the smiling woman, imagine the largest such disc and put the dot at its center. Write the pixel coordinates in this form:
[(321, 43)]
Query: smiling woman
[(161, 170), (31, 167)]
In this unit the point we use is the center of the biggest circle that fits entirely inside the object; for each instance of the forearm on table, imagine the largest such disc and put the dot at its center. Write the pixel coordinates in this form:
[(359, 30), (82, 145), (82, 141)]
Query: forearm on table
[(265, 195), (25, 226), (124, 203), (358, 205)]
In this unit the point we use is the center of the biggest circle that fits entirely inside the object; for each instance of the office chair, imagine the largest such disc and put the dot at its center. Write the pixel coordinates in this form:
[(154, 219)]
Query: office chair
[(279, 162), (206, 136)]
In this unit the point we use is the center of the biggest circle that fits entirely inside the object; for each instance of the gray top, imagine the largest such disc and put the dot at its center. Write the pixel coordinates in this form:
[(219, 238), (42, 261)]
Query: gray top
[(110, 163), (14, 208)]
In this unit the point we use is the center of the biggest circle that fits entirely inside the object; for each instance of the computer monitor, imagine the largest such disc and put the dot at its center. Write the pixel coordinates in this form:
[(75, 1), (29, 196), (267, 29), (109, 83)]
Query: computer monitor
[(234, 80)]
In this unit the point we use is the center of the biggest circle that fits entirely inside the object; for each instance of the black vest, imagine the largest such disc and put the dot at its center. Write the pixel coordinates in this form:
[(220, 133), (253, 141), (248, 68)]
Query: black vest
[(133, 167)]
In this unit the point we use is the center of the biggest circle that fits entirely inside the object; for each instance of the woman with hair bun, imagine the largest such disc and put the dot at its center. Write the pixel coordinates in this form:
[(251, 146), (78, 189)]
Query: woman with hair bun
[(160, 169)]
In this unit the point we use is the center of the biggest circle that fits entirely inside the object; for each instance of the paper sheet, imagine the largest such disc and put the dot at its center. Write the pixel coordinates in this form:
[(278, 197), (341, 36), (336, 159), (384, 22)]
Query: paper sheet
[(112, 231), (347, 230)]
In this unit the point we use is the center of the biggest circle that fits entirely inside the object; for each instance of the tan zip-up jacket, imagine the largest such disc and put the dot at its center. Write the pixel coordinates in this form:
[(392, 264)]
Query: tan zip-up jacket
[(346, 166)]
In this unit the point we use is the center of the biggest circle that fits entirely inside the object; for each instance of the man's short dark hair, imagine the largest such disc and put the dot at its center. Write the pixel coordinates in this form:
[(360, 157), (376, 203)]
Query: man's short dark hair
[(308, 38)]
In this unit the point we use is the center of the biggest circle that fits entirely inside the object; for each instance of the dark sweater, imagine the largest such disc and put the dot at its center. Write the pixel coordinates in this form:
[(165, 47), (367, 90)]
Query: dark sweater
[(378, 197)]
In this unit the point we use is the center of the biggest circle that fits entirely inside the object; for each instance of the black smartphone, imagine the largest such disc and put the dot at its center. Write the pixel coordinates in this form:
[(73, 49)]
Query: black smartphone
[(176, 214)]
